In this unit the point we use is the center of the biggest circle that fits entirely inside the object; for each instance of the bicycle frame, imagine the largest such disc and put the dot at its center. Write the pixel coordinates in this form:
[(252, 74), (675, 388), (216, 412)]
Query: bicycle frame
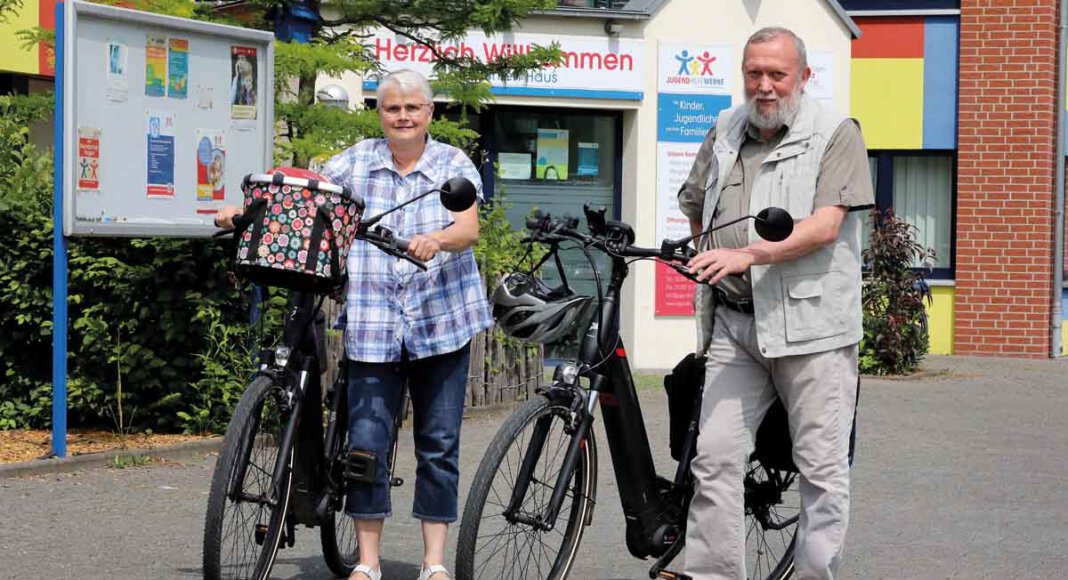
[(651, 529)]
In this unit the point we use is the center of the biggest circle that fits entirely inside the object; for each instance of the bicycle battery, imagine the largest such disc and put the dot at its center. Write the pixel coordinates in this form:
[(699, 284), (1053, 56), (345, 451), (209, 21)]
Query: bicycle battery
[(361, 466)]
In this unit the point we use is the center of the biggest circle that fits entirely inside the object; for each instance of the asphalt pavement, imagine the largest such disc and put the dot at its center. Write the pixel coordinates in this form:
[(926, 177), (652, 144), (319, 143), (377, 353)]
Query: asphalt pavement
[(960, 473)]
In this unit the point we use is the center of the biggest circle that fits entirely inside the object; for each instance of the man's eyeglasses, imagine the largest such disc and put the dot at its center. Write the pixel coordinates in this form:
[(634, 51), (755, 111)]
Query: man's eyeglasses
[(410, 108)]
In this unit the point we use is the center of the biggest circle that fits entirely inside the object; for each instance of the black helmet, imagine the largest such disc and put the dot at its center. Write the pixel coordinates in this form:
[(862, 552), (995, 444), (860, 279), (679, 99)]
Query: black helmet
[(529, 309)]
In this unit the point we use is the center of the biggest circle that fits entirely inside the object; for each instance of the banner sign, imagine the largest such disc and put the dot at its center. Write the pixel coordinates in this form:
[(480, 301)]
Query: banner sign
[(693, 84), (592, 66)]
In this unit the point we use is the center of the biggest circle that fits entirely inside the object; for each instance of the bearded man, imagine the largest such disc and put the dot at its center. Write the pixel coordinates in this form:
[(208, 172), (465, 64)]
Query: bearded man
[(777, 319)]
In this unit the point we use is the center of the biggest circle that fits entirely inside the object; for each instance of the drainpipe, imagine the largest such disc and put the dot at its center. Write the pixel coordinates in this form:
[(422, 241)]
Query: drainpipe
[(1058, 212)]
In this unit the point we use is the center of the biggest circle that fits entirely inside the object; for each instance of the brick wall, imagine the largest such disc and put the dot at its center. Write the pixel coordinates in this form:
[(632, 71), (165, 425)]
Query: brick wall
[(1005, 176)]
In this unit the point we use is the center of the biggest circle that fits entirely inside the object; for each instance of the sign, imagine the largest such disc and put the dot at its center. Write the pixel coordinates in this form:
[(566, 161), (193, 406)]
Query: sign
[(160, 165), (243, 82), (821, 84), (551, 164), (178, 68), (513, 165), (693, 83), (211, 170), (88, 167), (592, 67), (155, 65)]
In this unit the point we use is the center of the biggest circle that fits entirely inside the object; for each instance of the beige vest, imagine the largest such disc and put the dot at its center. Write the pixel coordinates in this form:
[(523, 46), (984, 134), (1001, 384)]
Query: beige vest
[(811, 304)]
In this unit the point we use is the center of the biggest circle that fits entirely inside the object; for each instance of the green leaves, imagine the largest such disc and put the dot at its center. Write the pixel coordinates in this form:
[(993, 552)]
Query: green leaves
[(895, 322)]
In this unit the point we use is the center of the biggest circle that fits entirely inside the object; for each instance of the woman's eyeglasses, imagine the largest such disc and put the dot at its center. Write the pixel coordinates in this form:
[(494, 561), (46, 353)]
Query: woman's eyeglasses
[(409, 108)]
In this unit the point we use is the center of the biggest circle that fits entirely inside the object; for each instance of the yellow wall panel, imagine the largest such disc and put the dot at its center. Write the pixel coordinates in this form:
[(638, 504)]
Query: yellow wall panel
[(886, 96), (940, 319), (12, 57)]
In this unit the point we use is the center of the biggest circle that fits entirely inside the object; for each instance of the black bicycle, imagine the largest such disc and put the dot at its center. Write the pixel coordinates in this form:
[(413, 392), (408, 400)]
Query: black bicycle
[(284, 460), (535, 489)]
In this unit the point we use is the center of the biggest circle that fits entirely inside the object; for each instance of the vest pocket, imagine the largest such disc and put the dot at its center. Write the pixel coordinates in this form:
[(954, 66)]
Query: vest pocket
[(808, 315)]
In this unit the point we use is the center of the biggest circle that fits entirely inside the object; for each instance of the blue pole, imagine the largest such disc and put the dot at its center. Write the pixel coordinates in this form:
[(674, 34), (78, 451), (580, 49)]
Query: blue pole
[(59, 262)]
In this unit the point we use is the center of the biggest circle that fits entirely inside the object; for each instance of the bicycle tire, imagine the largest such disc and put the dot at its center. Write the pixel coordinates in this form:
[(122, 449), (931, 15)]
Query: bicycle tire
[(337, 533), (253, 430), (487, 500), (772, 500)]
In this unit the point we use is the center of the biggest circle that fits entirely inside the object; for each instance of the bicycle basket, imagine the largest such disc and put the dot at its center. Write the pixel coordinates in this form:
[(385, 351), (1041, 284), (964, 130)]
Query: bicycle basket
[(299, 233)]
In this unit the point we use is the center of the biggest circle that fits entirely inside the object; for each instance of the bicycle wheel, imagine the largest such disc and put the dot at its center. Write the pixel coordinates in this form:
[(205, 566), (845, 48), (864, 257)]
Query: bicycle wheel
[(492, 546), (338, 533), (772, 508), (242, 528)]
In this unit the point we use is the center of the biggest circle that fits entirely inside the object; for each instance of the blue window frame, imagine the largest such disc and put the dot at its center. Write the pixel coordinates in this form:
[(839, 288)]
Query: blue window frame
[(921, 186)]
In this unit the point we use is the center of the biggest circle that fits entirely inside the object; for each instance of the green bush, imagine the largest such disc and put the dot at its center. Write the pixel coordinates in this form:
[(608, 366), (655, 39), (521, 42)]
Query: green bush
[(143, 313), (895, 322)]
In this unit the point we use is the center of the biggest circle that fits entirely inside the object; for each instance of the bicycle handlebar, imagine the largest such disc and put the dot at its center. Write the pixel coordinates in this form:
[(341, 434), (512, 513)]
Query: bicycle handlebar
[(616, 240)]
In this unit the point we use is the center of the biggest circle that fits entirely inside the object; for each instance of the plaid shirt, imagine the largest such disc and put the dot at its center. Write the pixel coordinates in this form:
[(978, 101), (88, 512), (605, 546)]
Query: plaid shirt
[(390, 302)]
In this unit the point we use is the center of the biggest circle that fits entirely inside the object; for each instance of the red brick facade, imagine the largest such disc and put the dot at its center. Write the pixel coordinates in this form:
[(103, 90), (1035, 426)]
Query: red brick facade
[(1005, 177)]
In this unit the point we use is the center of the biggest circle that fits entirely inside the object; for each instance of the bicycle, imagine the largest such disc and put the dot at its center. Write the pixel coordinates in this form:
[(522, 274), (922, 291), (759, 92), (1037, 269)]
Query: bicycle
[(284, 460), (535, 488)]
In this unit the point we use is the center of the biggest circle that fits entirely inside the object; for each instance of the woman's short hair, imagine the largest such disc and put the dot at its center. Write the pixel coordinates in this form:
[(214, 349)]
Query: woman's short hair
[(407, 81)]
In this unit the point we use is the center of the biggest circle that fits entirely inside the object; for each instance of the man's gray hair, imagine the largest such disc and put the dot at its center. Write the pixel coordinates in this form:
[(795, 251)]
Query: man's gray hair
[(407, 81), (773, 32)]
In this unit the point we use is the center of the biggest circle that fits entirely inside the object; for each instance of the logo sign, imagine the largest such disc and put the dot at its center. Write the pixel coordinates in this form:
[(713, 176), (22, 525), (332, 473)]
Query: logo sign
[(695, 68)]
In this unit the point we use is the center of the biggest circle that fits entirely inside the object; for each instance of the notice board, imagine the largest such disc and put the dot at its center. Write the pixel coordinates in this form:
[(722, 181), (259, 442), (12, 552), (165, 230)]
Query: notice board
[(162, 118)]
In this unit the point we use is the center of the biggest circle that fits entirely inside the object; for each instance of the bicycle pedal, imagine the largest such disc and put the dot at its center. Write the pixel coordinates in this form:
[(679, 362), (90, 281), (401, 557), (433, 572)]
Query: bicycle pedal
[(261, 533), (396, 482), (669, 575)]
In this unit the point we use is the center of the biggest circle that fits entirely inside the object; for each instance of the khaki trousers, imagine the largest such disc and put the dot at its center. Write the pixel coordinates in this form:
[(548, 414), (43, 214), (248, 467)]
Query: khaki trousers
[(819, 391)]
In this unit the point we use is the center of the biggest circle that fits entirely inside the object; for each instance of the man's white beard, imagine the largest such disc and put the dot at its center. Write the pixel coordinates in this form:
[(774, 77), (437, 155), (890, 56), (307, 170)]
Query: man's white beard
[(784, 112)]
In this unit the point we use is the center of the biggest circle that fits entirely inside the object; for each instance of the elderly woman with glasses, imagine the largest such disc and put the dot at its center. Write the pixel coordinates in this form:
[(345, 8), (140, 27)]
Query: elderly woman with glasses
[(404, 325)]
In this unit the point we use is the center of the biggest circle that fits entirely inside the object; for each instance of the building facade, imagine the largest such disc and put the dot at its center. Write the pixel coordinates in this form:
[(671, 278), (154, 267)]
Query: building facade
[(958, 101)]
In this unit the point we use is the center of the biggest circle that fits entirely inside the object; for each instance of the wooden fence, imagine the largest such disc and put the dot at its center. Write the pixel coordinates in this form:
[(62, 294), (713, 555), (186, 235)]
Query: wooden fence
[(500, 371)]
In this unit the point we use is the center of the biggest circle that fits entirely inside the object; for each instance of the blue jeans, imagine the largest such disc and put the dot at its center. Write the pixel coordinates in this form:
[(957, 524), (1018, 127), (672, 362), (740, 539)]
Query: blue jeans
[(437, 386)]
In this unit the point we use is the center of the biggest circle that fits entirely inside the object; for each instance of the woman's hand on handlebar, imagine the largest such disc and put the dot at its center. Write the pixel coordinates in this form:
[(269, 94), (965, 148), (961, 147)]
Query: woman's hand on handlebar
[(423, 247), (224, 218)]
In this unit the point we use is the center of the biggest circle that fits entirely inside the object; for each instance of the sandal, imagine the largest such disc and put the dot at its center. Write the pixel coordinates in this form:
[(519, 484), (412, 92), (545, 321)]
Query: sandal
[(366, 571), (429, 571)]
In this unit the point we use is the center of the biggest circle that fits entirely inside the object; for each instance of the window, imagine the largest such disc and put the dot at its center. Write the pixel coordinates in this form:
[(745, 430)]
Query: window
[(920, 186), (556, 161)]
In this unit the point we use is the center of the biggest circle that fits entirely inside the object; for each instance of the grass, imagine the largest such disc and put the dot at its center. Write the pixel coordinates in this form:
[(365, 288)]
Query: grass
[(124, 461)]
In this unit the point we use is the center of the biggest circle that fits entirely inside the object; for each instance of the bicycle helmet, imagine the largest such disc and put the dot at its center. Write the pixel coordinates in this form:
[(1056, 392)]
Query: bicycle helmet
[(529, 309)]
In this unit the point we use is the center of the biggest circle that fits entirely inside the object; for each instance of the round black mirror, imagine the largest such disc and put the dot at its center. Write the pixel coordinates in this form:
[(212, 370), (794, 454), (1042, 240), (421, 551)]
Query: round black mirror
[(774, 224), (458, 194)]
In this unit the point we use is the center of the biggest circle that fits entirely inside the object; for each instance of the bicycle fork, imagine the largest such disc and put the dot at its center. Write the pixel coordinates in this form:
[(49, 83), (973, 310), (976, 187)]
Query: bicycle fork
[(546, 520)]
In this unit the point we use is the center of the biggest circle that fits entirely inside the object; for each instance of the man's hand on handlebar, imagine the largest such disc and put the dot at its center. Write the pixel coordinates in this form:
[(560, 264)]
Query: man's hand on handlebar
[(224, 218), (423, 247), (714, 265)]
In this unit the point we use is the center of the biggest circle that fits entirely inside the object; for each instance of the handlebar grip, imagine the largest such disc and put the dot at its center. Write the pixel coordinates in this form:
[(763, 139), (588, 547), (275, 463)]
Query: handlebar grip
[(402, 243), (534, 223)]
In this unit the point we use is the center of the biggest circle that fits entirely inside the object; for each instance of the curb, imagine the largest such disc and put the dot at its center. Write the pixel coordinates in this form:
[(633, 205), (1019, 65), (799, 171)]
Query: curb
[(168, 452), (105, 458)]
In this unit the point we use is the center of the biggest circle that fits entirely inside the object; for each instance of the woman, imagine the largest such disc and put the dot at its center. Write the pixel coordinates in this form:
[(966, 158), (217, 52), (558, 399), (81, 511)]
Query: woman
[(406, 325)]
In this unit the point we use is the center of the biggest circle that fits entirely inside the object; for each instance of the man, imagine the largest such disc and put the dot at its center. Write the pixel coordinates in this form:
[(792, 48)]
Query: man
[(780, 318)]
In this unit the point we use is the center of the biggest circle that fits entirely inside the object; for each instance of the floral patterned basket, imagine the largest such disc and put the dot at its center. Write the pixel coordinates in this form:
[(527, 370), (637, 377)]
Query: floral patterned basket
[(299, 230)]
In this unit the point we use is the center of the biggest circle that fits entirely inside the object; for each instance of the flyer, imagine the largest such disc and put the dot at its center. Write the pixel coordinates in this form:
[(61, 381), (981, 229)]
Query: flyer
[(160, 162), (552, 155), (118, 81), (178, 68), (211, 170), (513, 165), (243, 89), (155, 65), (88, 160), (588, 157)]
